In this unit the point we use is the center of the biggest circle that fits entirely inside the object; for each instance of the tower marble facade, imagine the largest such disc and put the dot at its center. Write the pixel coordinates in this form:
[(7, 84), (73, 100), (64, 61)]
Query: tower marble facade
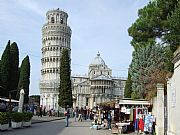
[(56, 35)]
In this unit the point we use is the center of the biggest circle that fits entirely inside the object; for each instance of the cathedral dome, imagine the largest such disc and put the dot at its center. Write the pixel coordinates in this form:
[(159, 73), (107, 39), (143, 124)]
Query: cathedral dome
[(98, 60)]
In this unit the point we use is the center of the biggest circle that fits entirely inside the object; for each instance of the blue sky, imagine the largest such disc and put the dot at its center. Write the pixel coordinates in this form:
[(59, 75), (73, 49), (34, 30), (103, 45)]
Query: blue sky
[(97, 25)]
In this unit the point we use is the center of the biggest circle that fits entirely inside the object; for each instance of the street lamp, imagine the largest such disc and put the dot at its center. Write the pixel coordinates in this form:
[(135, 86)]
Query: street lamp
[(11, 91)]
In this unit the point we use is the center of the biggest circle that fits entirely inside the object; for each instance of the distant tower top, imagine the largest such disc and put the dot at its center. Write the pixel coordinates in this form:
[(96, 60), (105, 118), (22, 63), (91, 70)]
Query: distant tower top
[(56, 16), (98, 54)]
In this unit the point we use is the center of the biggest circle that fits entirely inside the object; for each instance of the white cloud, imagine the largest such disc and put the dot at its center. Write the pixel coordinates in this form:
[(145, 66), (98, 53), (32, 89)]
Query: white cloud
[(31, 5)]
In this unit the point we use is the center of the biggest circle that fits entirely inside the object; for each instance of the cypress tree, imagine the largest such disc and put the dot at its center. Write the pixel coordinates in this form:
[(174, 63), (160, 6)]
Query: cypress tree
[(128, 87), (5, 71), (65, 90), (24, 79), (14, 68)]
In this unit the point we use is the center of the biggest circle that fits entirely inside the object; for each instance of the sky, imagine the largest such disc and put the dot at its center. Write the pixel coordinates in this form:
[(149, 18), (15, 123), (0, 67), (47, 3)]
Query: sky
[(97, 25)]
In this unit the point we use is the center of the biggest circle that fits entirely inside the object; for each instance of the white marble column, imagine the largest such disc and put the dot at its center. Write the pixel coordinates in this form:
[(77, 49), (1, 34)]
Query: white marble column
[(160, 109)]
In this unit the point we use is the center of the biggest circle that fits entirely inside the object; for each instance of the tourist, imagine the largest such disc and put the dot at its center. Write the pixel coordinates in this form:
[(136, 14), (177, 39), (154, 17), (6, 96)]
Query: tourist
[(15, 109), (50, 113), (44, 111), (80, 115), (40, 111), (85, 113), (109, 120), (67, 115), (102, 117), (88, 114), (75, 113), (2, 106)]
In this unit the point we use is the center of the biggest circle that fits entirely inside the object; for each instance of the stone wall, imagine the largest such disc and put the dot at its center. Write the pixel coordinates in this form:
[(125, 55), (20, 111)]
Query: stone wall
[(173, 95)]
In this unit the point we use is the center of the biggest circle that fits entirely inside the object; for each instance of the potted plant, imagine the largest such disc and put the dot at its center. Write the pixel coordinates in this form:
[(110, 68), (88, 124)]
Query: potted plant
[(4, 120), (27, 116), (16, 119)]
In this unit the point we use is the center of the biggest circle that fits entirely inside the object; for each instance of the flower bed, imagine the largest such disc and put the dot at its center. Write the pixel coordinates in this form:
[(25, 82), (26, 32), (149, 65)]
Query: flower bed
[(16, 119)]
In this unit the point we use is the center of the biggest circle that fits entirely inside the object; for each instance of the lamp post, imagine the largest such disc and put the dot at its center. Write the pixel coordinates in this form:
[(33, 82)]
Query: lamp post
[(11, 91)]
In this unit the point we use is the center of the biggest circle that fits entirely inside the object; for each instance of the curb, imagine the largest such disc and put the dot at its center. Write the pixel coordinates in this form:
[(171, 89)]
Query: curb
[(42, 121)]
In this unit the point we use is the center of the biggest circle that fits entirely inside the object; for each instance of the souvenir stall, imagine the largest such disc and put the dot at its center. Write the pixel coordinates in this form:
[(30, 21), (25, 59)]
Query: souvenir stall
[(127, 116), (132, 114), (100, 113)]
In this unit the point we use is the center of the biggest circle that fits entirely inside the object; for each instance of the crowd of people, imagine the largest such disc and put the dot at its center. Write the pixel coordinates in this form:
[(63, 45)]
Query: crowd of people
[(97, 115), (3, 106)]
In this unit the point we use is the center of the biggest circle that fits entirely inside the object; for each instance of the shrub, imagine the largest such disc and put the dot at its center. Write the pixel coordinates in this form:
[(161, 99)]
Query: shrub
[(4, 118), (27, 116), (17, 117)]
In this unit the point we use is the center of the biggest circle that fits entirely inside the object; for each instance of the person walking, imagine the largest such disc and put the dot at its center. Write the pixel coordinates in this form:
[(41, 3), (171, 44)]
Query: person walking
[(40, 111), (85, 113), (67, 115), (80, 115), (75, 114), (109, 120)]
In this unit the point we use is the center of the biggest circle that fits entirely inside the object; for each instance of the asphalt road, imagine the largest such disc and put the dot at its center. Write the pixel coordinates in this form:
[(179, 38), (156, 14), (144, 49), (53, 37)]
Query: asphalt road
[(54, 128), (57, 128)]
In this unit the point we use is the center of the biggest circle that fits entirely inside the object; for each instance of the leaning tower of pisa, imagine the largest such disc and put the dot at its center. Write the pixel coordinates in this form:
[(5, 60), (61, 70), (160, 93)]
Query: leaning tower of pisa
[(56, 35)]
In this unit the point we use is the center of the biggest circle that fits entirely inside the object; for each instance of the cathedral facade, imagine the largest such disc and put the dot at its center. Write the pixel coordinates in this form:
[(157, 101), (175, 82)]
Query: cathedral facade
[(98, 86), (56, 35)]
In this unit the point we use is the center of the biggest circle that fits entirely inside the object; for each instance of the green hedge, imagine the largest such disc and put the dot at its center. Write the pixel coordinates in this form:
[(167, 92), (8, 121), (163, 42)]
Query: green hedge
[(4, 117), (27, 116), (17, 117)]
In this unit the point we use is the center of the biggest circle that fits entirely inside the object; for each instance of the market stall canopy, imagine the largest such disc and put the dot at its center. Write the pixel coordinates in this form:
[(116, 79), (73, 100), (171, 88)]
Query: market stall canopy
[(134, 102), (109, 103), (7, 100)]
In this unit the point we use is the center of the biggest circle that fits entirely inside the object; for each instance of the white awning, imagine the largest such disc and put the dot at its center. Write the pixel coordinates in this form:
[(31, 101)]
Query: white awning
[(7, 100), (134, 102)]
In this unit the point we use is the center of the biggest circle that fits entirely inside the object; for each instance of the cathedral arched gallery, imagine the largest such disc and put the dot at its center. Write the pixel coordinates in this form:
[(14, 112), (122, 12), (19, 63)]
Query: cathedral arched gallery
[(97, 86)]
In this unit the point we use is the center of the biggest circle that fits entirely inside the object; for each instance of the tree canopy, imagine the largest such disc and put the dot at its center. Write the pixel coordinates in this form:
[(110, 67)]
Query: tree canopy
[(14, 73), (5, 71), (153, 21), (65, 90), (128, 87), (10, 73), (145, 61), (155, 36), (24, 78)]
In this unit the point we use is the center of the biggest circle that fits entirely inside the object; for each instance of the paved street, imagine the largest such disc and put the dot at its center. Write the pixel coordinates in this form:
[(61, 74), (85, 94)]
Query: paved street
[(37, 119), (57, 127)]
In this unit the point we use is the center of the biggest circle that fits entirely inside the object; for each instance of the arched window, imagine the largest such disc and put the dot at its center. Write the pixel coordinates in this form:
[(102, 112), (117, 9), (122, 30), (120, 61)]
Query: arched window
[(61, 21), (52, 19)]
